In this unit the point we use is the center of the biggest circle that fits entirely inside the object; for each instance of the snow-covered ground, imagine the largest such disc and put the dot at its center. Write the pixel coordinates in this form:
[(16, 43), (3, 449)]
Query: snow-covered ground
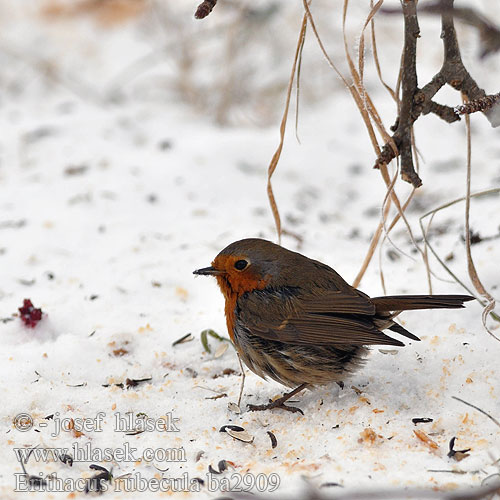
[(113, 192)]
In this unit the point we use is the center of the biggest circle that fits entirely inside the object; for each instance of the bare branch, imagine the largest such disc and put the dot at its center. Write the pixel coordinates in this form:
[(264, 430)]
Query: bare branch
[(416, 102), (407, 114), (204, 9), (482, 104), (489, 34)]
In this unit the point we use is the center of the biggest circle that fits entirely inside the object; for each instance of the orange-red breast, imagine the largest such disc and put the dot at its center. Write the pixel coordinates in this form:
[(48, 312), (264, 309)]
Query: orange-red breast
[(297, 321)]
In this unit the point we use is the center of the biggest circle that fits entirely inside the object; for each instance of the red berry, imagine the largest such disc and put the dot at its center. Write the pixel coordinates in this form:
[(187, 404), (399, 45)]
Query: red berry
[(29, 314)]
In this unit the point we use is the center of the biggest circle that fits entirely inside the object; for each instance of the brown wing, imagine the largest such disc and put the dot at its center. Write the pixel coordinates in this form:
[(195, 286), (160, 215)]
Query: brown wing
[(339, 301), (312, 320)]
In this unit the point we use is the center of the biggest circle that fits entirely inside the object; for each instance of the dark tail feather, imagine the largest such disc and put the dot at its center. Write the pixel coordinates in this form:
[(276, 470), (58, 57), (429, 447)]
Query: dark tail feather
[(408, 302), (396, 327)]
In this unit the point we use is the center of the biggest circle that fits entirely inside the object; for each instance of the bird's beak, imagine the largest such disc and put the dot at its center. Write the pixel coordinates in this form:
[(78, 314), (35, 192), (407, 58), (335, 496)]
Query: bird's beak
[(208, 271)]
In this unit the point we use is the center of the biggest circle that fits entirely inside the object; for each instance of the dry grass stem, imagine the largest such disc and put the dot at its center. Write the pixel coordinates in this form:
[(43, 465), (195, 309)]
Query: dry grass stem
[(277, 153), (490, 305)]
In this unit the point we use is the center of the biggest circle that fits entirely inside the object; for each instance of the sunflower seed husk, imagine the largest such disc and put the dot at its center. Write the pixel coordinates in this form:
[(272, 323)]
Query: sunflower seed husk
[(221, 350), (241, 435)]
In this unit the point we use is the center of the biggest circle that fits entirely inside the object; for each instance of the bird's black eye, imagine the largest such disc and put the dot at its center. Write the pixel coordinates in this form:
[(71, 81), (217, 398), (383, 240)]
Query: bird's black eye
[(240, 264)]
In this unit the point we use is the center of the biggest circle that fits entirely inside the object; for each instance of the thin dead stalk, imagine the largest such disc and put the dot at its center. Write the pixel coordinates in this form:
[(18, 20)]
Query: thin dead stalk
[(470, 263), (478, 409), (277, 153), (425, 232)]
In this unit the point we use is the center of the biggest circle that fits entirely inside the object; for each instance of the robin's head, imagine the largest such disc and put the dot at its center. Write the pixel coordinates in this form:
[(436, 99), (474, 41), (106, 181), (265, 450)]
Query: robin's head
[(247, 265)]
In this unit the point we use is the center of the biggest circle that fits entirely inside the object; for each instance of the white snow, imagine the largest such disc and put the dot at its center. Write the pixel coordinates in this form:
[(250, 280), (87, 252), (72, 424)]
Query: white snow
[(108, 205)]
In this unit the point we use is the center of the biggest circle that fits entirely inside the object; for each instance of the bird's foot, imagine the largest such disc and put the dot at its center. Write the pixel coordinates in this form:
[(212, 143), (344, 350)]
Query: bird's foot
[(278, 403)]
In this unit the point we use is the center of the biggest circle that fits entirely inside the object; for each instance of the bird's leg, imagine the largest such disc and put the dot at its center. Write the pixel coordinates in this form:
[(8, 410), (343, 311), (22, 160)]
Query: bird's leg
[(280, 402), (243, 376)]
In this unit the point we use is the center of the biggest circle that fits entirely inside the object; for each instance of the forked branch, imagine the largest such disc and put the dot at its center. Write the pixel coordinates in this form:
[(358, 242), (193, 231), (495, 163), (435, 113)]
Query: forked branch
[(419, 101)]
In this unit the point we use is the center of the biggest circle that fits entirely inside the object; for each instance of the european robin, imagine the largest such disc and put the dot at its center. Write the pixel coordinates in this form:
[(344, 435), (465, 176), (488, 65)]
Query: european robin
[(297, 321)]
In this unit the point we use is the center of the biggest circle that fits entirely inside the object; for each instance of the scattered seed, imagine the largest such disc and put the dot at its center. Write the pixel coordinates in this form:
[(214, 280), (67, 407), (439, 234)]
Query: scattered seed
[(66, 459), (212, 333), (241, 435), (388, 351), (36, 481), (186, 338), (426, 440), (422, 420), (234, 407), (94, 483), (75, 170), (212, 470), (236, 428), (131, 382), (457, 455), (393, 255), (120, 352), (27, 282), (449, 257), (191, 372), (369, 436), (222, 465), (165, 144), (120, 385), (225, 372), (222, 395), (12, 224), (199, 455), (274, 441), (220, 350)]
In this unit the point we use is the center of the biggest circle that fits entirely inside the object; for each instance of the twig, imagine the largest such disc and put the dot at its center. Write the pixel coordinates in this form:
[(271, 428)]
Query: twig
[(204, 9), (489, 34), (407, 114), (470, 263), (482, 104), (478, 409), (416, 102), (440, 260)]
